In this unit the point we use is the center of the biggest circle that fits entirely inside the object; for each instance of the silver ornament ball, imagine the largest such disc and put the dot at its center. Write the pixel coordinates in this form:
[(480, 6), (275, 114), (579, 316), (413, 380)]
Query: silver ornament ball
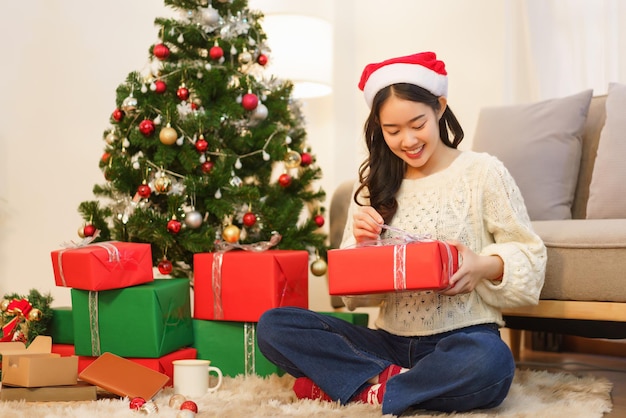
[(193, 219)]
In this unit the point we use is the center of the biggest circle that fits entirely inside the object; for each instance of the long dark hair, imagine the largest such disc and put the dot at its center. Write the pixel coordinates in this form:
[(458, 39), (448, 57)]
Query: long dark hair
[(382, 172)]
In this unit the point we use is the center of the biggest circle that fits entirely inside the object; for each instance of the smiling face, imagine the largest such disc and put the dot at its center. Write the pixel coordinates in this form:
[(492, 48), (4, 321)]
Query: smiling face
[(411, 131)]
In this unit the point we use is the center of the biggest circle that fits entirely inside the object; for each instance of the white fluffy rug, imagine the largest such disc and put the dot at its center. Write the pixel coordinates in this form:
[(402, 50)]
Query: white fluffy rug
[(533, 394)]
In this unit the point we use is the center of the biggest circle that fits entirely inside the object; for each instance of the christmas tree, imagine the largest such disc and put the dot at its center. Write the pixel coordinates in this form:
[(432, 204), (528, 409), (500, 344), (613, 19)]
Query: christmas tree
[(204, 147)]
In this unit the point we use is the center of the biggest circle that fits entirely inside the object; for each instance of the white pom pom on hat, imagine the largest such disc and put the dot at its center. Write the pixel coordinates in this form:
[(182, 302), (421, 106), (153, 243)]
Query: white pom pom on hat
[(422, 69)]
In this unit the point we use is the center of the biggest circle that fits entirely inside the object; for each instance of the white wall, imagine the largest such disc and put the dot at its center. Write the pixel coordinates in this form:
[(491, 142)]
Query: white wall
[(63, 59)]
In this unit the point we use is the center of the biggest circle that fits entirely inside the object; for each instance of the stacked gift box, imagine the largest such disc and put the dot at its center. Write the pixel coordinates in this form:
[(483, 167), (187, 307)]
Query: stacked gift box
[(119, 308), (232, 290)]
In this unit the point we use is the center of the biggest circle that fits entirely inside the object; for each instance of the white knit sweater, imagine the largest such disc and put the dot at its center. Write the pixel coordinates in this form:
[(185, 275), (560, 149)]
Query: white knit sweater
[(475, 201)]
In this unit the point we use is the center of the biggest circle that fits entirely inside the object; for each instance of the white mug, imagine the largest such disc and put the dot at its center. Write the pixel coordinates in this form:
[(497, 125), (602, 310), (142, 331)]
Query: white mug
[(191, 377)]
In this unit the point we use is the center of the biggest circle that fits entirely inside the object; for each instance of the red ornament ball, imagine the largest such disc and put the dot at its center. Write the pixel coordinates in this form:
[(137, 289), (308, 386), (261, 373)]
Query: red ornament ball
[(144, 191), (160, 87), (305, 159), (146, 127), (161, 51), (262, 59), (202, 145), (89, 230), (284, 180), (182, 93), (137, 403), (165, 266), (173, 226), (105, 157), (117, 115), (249, 219), (190, 405), (206, 167), (249, 101), (216, 52), (319, 220)]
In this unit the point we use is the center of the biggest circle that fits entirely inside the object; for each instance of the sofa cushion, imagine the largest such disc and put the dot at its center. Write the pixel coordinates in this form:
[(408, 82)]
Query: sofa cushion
[(606, 191), (540, 144), (585, 259)]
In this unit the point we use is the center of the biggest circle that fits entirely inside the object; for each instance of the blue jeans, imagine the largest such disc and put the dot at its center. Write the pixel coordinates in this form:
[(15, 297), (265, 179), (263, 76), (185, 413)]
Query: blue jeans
[(461, 370)]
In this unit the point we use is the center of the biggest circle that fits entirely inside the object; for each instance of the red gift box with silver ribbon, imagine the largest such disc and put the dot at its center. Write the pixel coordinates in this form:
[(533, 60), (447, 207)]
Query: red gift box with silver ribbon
[(103, 265), (241, 285), (391, 266)]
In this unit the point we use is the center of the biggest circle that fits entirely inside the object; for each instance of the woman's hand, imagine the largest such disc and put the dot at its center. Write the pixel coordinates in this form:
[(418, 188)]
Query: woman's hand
[(472, 270), (366, 224)]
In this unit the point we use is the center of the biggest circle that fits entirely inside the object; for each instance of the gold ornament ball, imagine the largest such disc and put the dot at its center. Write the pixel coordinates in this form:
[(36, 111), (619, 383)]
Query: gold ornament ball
[(149, 408), (319, 267), (111, 138), (4, 305), (163, 184), (245, 57), (81, 231), (231, 234), (168, 135), (292, 159), (34, 315)]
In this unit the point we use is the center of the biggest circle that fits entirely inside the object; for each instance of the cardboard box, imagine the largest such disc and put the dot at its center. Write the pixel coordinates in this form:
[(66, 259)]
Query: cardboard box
[(82, 391), (232, 347), (249, 283), (148, 320), (422, 265), (62, 325), (103, 265), (36, 366), (123, 377), (162, 365)]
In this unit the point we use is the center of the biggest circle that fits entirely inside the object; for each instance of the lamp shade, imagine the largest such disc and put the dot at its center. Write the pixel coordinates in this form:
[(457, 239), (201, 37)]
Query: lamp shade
[(301, 51)]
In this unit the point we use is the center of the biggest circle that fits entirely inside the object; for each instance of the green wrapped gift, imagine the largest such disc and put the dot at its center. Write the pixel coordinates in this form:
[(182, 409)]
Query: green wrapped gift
[(62, 325), (148, 320), (356, 318), (232, 347)]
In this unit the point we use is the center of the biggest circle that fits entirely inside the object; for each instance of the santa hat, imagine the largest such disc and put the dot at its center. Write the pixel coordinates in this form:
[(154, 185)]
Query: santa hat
[(421, 69)]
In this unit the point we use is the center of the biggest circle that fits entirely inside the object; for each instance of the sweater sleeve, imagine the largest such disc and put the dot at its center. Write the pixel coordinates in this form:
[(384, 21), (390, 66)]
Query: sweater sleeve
[(523, 252)]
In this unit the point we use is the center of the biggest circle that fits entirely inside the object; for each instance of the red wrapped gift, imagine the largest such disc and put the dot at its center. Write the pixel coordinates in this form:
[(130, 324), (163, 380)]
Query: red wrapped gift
[(162, 364), (421, 265), (64, 350), (241, 285), (103, 265)]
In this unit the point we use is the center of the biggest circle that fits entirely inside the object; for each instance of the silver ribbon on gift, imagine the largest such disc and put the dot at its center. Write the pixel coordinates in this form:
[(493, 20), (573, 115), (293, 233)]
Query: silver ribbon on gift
[(249, 340), (114, 253), (399, 253), (94, 326), (216, 273)]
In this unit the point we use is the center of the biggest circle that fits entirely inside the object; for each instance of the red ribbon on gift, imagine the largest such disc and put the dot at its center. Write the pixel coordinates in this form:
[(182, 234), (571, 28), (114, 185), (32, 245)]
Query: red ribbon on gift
[(20, 309), (216, 274)]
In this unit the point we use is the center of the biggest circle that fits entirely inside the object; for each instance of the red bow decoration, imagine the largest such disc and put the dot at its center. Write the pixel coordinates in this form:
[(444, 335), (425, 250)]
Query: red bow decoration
[(21, 310)]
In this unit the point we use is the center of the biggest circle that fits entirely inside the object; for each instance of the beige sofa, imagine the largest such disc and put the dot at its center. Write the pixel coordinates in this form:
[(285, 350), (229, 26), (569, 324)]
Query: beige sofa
[(585, 287)]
